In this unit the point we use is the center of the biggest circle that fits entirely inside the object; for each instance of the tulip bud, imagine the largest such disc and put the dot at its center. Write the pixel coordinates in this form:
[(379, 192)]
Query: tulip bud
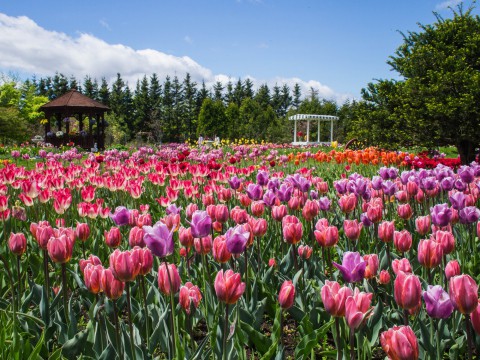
[(168, 280), (112, 287), (452, 269), (286, 296), (113, 237), (400, 342), (228, 286), (189, 295), (463, 291), (407, 290), (402, 240), (82, 231), (272, 262), (384, 277), (386, 230), (17, 243)]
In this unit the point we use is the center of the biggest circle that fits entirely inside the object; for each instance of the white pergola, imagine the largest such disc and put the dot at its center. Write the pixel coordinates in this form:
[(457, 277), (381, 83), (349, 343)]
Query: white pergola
[(308, 118)]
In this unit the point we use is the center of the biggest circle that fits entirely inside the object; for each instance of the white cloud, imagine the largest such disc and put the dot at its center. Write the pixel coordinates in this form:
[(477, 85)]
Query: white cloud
[(31, 49), (447, 4)]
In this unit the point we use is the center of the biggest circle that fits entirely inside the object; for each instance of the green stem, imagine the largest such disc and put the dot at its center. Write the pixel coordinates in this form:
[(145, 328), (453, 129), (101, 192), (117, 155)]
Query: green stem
[(130, 323), (352, 344), (337, 339), (144, 294), (65, 291), (439, 353), (19, 277), (246, 273), (14, 300), (225, 333), (117, 329), (172, 308), (469, 336)]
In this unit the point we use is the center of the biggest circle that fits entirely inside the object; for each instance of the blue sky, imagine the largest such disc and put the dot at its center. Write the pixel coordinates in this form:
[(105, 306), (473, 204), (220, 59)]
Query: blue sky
[(335, 46)]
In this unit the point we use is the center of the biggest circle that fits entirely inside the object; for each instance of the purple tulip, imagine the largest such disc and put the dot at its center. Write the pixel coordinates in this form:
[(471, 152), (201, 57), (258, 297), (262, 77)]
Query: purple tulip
[(303, 184), (441, 214), (121, 216), (236, 239), (460, 185), (201, 224), (466, 173), (159, 239), (341, 186), (367, 195), (313, 194), (405, 176), (273, 184), (469, 215), (389, 187), (254, 191), (262, 178), (383, 172), (437, 302), (457, 200), (359, 186), (365, 220), (392, 173), (443, 172), (447, 183), (352, 268), (428, 183), (377, 183), (269, 198), (234, 182), (173, 209), (285, 192), (324, 203)]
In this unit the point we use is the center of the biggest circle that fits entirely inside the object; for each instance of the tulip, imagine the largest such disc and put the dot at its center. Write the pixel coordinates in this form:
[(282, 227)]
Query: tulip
[(438, 302), (191, 208), (457, 200), (228, 286), (305, 251), (279, 212), (258, 226), (374, 212), (257, 207), (334, 298), (121, 216), (91, 276), (402, 240), (125, 265), (135, 237), (239, 215), (422, 224), (254, 191), (60, 249), (272, 262), (234, 182), (352, 268), (17, 243), (112, 287), (446, 241), (203, 245), (189, 295), (201, 224), (404, 211), (469, 215), (113, 237), (324, 203), (386, 230), (463, 291), (452, 269), (441, 214), (82, 231), (400, 343), (168, 280), (407, 290), (475, 317), (356, 308), (220, 251), (347, 203), (286, 296), (352, 229), (429, 253), (401, 265), (310, 210), (372, 265), (221, 213), (159, 239), (185, 237), (384, 277), (92, 259)]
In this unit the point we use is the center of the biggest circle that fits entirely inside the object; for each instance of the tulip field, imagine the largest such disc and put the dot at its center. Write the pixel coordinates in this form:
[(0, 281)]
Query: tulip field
[(238, 252)]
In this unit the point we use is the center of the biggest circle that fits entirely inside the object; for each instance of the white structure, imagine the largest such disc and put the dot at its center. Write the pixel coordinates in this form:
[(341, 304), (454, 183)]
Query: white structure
[(308, 118)]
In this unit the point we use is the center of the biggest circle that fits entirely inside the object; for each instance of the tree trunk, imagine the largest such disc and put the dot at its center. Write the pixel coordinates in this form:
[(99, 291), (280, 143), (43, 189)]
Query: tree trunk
[(466, 150)]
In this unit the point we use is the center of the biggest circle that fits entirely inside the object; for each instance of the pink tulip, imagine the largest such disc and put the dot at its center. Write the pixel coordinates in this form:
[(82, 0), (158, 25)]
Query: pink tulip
[(402, 240), (372, 266), (463, 291), (168, 280), (400, 343), (229, 286), (189, 295), (407, 290), (334, 298), (452, 269), (112, 287), (386, 230), (357, 307), (17, 243), (429, 253), (286, 296), (352, 229)]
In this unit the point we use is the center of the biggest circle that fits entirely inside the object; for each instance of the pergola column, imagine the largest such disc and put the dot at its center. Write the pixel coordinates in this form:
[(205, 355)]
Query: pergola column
[(318, 131), (295, 131), (308, 131), (331, 131)]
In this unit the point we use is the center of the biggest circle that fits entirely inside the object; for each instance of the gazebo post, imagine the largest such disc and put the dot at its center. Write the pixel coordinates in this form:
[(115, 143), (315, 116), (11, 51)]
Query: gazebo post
[(318, 131), (295, 130), (308, 131), (98, 133), (331, 131)]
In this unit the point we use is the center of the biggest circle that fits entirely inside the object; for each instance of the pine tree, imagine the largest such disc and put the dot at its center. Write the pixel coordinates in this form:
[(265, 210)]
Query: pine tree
[(190, 114), (104, 93), (218, 91), (297, 94)]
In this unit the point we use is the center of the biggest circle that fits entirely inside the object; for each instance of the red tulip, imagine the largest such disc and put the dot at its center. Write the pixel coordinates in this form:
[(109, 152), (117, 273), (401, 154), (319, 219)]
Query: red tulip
[(189, 295), (113, 237), (352, 229), (166, 284), (407, 290), (17, 243), (258, 226), (446, 240), (305, 251), (463, 291), (272, 262), (401, 265), (292, 232), (228, 286), (185, 237), (310, 209), (125, 265), (60, 249), (145, 258), (92, 259), (334, 298), (347, 203), (422, 224), (91, 276), (404, 211), (135, 238), (221, 213), (357, 307), (452, 269), (400, 343), (429, 253), (82, 231), (220, 251), (239, 215), (43, 233), (384, 277), (279, 212), (372, 265), (258, 208), (386, 230), (203, 245), (374, 212), (286, 296), (112, 287), (402, 240)]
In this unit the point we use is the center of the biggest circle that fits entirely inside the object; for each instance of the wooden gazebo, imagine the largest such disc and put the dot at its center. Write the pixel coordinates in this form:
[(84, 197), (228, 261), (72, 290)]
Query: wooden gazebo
[(62, 113)]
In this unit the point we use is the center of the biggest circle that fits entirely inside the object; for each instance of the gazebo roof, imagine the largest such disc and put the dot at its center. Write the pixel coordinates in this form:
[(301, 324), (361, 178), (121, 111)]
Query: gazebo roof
[(73, 101), (312, 117)]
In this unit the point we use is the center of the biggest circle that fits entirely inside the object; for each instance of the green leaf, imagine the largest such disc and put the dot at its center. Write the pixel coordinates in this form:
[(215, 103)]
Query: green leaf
[(76, 345), (36, 350), (261, 342), (308, 342)]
